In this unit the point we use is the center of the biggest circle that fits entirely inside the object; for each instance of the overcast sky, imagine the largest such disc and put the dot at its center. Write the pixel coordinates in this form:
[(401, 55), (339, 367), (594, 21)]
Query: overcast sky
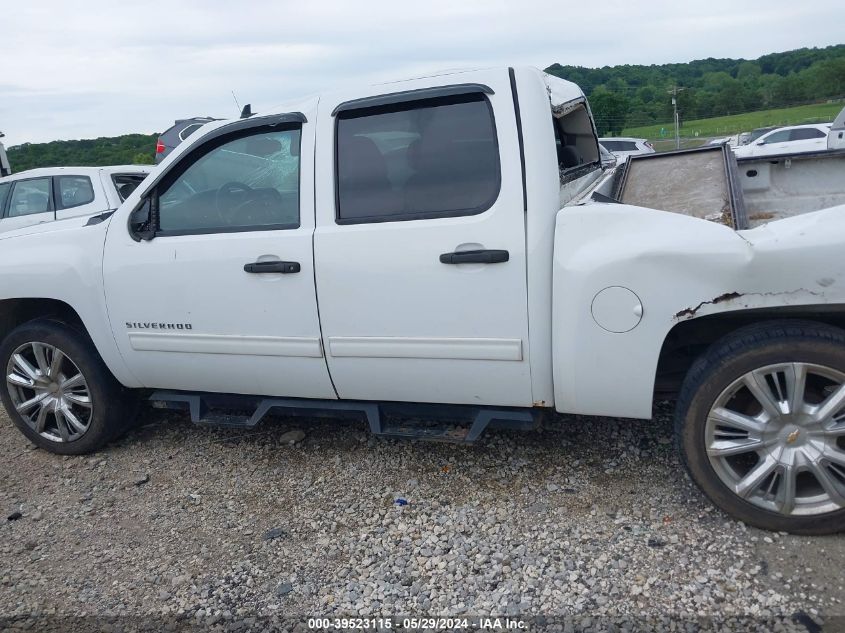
[(85, 68)]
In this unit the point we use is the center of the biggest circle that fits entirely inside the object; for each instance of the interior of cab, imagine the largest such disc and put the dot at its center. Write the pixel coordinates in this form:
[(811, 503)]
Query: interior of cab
[(575, 138), (127, 183), (250, 181)]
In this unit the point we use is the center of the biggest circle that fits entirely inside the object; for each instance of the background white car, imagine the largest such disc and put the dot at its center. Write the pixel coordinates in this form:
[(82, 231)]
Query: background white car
[(788, 140), (624, 146), (55, 193)]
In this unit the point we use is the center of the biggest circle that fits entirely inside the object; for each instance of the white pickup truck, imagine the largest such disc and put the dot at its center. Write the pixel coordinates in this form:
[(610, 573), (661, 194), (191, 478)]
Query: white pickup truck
[(46, 194), (448, 240)]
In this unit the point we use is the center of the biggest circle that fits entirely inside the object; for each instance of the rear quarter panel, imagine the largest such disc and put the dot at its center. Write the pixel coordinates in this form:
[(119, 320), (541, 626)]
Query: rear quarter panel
[(680, 268)]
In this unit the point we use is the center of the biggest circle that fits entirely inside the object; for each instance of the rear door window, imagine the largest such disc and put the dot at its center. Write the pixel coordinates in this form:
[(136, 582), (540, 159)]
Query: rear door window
[(30, 196), (806, 133), (620, 146), (421, 159), (74, 191)]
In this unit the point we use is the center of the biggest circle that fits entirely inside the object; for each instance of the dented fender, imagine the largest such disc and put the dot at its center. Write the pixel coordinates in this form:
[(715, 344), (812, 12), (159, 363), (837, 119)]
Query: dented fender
[(679, 268)]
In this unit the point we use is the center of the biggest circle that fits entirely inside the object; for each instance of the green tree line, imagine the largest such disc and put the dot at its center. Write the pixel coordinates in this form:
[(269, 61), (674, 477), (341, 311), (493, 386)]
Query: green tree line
[(620, 96), (631, 96), (130, 149)]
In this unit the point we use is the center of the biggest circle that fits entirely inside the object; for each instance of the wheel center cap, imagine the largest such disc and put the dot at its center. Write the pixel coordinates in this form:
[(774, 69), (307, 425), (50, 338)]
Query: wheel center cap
[(792, 436), (53, 387)]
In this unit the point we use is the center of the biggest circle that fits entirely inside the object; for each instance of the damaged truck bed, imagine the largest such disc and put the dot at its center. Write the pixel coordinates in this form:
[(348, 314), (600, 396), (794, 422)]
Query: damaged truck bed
[(712, 184)]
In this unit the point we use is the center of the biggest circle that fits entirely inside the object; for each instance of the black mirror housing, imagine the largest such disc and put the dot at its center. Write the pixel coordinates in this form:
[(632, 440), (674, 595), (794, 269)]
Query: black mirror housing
[(141, 224)]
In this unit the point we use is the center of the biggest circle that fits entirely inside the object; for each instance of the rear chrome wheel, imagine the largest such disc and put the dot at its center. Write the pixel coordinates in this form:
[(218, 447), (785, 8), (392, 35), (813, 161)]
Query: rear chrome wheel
[(760, 423), (776, 437), (49, 392)]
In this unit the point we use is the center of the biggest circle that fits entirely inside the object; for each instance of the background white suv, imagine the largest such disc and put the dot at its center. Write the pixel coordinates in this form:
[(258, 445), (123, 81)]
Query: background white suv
[(788, 140), (624, 146)]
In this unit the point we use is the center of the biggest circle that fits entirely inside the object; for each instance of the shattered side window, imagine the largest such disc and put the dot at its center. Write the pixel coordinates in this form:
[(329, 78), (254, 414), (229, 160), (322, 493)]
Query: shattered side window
[(249, 183), (575, 139)]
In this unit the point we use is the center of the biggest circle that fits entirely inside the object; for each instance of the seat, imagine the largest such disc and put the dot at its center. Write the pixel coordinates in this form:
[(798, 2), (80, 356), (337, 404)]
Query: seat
[(126, 189), (36, 203), (568, 156), (456, 168), (363, 186)]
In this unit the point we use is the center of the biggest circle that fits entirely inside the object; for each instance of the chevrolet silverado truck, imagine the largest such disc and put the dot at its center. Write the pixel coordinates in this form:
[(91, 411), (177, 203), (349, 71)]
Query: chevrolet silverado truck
[(451, 246)]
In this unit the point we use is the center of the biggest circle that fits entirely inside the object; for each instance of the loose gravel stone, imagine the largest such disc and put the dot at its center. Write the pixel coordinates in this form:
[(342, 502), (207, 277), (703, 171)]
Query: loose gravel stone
[(292, 437), (274, 533), (284, 589), (589, 522)]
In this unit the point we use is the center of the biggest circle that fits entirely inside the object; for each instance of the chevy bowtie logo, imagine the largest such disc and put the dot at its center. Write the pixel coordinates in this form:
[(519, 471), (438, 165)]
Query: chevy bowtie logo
[(793, 436)]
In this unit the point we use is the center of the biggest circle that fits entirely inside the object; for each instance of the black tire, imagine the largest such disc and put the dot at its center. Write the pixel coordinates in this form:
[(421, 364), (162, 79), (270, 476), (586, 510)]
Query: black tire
[(726, 361), (113, 409)]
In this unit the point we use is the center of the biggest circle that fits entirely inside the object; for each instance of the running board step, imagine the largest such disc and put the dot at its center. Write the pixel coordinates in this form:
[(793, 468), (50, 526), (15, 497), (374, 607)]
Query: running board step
[(446, 423)]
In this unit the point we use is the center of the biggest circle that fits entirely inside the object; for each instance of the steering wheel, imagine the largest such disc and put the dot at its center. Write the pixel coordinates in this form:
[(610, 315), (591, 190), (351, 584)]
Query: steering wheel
[(226, 199)]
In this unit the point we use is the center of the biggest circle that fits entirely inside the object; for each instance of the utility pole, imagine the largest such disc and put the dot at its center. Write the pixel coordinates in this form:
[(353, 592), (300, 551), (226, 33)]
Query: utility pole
[(674, 92)]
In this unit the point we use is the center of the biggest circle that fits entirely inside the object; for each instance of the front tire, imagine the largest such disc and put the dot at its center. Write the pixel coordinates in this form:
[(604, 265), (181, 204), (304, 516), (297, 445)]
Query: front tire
[(58, 391), (761, 426)]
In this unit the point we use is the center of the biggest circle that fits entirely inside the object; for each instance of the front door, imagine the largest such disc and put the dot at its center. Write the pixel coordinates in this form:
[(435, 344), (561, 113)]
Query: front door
[(420, 245), (222, 298), (775, 143)]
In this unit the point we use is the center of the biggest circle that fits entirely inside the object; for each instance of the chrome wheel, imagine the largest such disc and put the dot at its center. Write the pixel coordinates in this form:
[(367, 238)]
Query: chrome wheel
[(776, 437), (49, 392)]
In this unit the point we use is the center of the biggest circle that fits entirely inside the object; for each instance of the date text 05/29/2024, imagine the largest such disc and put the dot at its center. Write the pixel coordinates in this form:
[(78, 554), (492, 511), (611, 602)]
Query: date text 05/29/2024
[(417, 624)]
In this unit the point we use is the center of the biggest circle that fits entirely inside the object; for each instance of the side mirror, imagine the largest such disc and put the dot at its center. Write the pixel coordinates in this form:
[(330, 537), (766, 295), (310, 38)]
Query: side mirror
[(141, 225), (761, 142)]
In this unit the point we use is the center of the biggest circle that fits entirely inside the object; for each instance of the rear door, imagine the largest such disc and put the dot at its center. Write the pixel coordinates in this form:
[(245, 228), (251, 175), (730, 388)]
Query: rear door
[(29, 202), (808, 139), (420, 243)]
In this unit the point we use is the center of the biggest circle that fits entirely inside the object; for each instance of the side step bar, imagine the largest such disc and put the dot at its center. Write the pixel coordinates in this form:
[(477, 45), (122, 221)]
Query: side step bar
[(461, 424)]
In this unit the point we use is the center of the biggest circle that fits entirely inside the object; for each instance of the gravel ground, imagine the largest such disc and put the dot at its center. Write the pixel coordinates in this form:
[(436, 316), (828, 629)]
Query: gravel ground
[(590, 522)]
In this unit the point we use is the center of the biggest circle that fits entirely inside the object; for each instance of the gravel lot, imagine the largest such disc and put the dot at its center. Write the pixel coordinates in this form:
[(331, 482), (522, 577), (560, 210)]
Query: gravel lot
[(590, 522)]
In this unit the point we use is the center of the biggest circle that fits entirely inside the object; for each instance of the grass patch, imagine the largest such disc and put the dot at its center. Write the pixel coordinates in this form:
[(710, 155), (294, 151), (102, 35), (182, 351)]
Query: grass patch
[(735, 123)]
